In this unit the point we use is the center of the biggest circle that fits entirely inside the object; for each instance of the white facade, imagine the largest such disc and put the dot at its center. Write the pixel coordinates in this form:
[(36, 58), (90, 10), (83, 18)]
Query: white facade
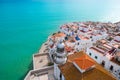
[(98, 37), (83, 44), (58, 75), (105, 61)]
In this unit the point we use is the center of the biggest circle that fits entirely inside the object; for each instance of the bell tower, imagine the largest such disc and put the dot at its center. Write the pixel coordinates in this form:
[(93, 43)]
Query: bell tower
[(60, 58), (60, 55)]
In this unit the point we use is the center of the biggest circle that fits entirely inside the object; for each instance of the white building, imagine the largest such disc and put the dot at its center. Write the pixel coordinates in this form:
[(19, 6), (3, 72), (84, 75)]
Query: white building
[(116, 39), (105, 54), (82, 43)]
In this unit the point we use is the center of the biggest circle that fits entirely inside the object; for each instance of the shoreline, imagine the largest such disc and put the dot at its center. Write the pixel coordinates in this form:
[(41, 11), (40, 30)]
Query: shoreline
[(43, 51)]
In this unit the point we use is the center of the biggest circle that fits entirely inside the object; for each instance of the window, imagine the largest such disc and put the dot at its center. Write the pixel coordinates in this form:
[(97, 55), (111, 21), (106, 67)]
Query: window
[(53, 56), (111, 68), (59, 50), (96, 57), (66, 38), (90, 54), (60, 76), (103, 63)]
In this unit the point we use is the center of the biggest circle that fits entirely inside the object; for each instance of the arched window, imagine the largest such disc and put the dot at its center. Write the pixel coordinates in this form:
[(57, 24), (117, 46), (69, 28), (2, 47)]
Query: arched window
[(60, 50), (90, 54), (103, 63), (111, 68), (53, 56), (96, 57), (60, 76)]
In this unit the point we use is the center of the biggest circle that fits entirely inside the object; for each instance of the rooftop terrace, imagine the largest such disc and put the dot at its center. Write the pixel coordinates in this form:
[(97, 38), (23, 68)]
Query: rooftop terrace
[(46, 73), (40, 60)]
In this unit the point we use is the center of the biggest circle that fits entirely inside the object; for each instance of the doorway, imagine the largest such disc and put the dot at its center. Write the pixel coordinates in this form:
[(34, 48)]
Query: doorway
[(111, 68)]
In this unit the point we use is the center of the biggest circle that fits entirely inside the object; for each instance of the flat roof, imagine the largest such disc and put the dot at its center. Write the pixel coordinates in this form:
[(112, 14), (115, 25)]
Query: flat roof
[(40, 60), (46, 73), (97, 50)]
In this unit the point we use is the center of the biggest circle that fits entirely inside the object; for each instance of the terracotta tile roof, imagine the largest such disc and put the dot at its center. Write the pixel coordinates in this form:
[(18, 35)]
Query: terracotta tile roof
[(68, 49), (59, 35), (84, 62), (74, 27), (70, 72), (83, 38)]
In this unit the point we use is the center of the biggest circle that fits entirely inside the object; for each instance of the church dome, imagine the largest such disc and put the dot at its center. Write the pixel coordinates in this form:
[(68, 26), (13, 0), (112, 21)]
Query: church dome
[(61, 45), (60, 55)]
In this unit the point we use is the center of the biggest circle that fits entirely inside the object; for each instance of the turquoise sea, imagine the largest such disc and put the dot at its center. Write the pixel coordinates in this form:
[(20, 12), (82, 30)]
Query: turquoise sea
[(26, 24)]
